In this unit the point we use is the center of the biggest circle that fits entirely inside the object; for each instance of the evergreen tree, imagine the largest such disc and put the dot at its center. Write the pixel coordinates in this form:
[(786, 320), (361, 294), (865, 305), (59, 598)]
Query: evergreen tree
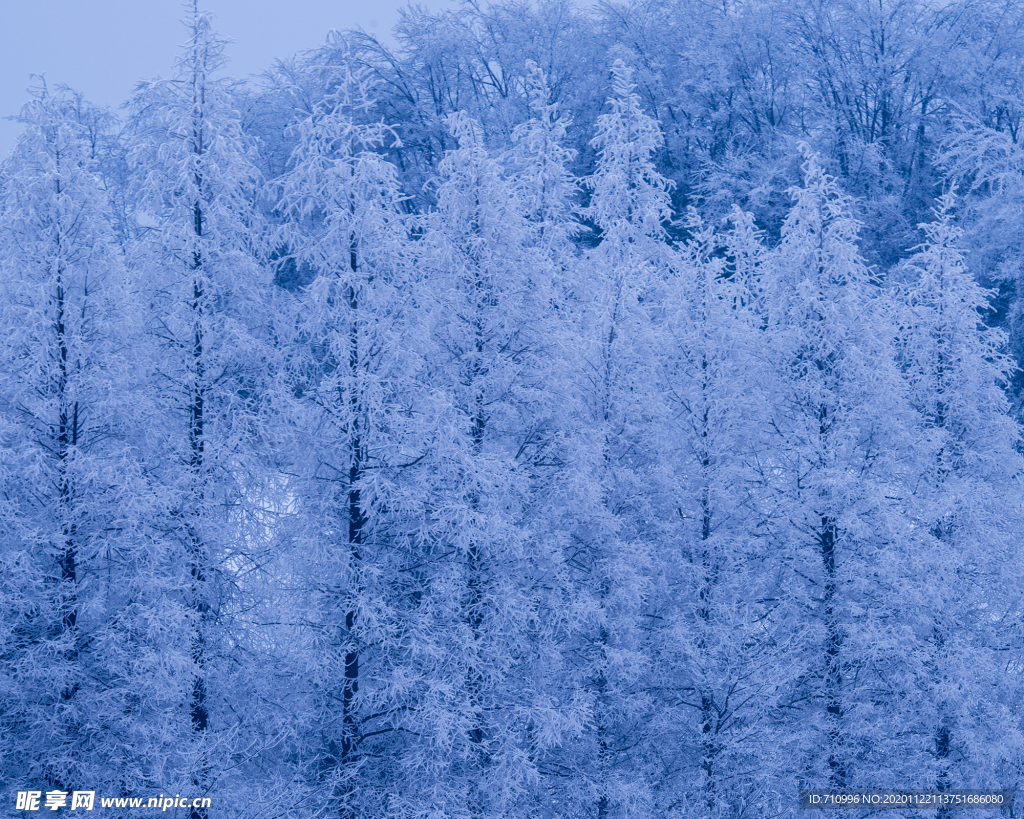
[(621, 520), (351, 371), (724, 656), (838, 426), (195, 261), (990, 165), (539, 161), (548, 193), (480, 626), (74, 596), (967, 472)]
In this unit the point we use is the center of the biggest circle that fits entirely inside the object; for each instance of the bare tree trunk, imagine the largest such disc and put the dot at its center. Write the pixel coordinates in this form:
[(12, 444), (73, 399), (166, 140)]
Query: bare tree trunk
[(67, 440), (197, 549)]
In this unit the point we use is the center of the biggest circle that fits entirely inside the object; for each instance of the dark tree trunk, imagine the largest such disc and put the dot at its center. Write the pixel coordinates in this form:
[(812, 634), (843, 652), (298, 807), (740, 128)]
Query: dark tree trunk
[(604, 751), (709, 712), (356, 516), (197, 465), (475, 562), (943, 741), (827, 537), (67, 441)]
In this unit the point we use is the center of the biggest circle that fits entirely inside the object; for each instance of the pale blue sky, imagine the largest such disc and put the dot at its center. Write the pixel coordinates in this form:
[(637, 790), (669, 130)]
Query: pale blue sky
[(103, 47)]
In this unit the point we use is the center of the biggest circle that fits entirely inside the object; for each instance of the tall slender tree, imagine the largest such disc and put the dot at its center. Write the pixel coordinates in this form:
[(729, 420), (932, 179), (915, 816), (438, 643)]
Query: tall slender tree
[(487, 570), (196, 261), (968, 467), (540, 164), (548, 193), (69, 475), (620, 527), (352, 366), (725, 655), (838, 422)]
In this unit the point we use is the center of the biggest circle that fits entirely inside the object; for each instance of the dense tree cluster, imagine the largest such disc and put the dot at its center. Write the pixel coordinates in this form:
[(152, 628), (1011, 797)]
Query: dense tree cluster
[(566, 414)]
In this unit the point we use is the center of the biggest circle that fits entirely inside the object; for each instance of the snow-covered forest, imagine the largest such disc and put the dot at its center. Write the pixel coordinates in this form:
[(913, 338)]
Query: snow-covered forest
[(578, 412)]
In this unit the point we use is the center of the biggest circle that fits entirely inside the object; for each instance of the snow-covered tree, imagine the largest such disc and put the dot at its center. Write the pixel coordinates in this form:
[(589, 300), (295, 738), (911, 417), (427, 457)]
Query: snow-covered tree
[(965, 507), (539, 161), (488, 573), (723, 655), (351, 367), (76, 632), (989, 163), (621, 515), (195, 262), (508, 495), (826, 479)]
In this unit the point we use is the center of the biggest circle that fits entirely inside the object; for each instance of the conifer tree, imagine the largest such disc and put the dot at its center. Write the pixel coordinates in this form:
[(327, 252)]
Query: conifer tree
[(967, 471), (195, 261), (487, 570), (548, 194), (831, 478), (72, 607), (539, 161), (352, 370), (621, 518), (724, 654)]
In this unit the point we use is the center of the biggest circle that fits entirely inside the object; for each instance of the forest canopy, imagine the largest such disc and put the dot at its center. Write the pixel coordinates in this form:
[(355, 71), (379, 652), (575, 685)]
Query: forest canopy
[(605, 412)]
